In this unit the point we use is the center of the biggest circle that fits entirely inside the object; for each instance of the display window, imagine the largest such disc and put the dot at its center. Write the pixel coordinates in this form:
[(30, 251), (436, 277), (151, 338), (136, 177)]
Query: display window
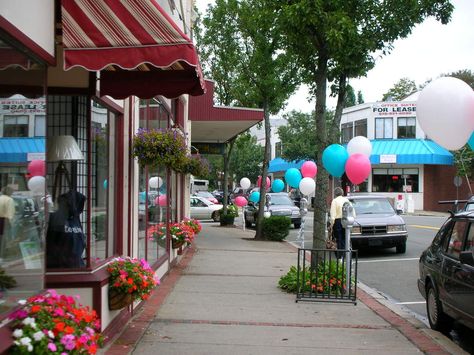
[(395, 180)]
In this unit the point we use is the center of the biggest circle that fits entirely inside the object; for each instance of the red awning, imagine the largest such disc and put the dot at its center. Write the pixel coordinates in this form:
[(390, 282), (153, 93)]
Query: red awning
[(116, 37)]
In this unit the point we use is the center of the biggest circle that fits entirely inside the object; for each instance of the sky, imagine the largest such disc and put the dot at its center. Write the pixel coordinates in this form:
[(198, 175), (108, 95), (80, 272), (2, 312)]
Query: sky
[(430, 50)]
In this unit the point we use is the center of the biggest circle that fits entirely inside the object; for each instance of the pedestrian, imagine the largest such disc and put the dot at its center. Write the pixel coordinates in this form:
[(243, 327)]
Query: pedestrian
[(339, 232), (7, 212)]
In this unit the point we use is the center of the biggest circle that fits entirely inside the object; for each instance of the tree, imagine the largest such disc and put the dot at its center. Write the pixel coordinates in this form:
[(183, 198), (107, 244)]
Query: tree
[(298, 136), (243, 37), (333, 41), (401, 89), (246, 157)]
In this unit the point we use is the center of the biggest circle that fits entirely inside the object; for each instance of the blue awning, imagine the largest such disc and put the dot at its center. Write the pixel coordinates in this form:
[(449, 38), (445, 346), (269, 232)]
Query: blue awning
[(15, 150), (279, 164), (410, 151)]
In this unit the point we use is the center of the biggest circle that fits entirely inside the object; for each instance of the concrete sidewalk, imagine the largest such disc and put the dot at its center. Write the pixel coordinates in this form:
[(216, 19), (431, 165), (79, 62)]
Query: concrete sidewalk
[(223, 298)]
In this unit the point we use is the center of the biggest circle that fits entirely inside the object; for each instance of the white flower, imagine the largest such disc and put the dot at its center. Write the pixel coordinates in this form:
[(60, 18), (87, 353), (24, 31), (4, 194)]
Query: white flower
[(50, 334), (30, 348), (25, 341), (29, 321), (18, 333), (38, 336), (22, 302)]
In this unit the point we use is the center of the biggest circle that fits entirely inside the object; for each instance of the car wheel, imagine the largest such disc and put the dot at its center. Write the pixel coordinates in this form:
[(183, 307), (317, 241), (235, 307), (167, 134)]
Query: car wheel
[(437, 318), (216, 217), (297, 225), (402, 248)]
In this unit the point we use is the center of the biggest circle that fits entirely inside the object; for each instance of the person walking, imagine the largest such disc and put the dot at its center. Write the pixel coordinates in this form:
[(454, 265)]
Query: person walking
[(339, 232), (7, 212)]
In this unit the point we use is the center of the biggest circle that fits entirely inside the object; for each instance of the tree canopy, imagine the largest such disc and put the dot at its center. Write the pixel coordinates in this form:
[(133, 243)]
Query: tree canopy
[(401, 89)]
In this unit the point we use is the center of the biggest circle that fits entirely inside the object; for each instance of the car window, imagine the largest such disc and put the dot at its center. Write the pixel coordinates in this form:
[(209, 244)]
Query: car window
[(281, 200), (445, 228), (455, 241), (470, 239), (372, 206)]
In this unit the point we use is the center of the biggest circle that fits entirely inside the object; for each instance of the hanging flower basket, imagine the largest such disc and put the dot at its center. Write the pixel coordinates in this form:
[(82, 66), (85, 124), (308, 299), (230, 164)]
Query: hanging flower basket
[(196, 166), (160, 147), (118, 299), (175, 244)]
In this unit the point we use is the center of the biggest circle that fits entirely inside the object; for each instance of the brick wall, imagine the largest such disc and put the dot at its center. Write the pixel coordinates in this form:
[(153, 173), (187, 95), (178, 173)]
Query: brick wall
[(438, 185)]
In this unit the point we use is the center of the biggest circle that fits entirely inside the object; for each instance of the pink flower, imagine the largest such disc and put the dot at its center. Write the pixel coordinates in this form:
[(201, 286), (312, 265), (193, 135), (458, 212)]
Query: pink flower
[(59, 312), (52, 347)]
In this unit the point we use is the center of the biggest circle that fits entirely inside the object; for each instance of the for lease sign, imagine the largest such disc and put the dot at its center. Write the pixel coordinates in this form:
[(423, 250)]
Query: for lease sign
[(394, 109)]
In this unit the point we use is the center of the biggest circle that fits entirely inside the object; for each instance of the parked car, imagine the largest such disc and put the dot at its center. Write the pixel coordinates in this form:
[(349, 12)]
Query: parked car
[(446, 270), (377, 224), (207, 195), (202, 208), (280, 205)]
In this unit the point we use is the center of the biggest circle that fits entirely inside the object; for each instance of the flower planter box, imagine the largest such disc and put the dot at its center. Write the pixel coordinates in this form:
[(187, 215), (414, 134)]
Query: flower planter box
[(176, 244)]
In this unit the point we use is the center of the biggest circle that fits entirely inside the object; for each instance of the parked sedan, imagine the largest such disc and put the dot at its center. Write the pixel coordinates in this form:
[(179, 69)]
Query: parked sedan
[(207, 195), (377, 224), (280, 205), (447, 273), (202, 208)]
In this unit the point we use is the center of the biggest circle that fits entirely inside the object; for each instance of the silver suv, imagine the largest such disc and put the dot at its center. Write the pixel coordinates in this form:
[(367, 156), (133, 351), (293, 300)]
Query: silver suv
[(377, 224)]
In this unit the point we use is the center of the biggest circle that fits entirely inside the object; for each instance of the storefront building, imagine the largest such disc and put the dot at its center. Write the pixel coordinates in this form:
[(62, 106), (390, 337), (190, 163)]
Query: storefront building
[(72, 96), (406, 165)]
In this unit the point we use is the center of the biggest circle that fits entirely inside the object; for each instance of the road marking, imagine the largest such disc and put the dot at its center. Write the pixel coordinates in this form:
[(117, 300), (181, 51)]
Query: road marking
[(419, 302), (383, 260), (425, 227)]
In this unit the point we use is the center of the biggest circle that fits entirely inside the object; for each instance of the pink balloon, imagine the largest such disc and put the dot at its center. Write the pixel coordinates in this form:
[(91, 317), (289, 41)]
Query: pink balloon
[(161, 200), (309, 169), (37, 168), (358, 168), (240, 201), (259, 182)]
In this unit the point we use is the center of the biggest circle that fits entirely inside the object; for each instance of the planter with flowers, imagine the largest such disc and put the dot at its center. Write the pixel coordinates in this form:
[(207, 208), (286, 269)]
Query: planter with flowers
[(130, 280), (180, 232), (54, 324), (196, 166), (160, 147)]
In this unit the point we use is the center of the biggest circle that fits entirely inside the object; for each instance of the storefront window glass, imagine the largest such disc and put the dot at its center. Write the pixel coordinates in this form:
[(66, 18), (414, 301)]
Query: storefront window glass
[(360, 128), (40, 126), (346, 132), (406, 127), (383, 128), (15, 126), (395, 180)]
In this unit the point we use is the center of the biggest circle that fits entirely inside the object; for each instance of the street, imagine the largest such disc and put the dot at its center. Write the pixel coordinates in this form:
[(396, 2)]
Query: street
[(395, 275)]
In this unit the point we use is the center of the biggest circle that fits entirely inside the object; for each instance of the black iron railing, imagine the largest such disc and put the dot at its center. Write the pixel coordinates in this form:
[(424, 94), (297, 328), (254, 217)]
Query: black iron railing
[(322, 276)]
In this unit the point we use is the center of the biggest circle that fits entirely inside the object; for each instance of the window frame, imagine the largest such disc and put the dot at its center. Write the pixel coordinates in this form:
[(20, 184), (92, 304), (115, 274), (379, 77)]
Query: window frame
[(385, 134)]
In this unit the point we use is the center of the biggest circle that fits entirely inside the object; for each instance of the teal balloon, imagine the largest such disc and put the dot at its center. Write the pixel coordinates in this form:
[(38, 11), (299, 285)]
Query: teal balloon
[(334, 159), (470, 142), (105, 184), (254, 196), (278, 185), (142, 196), (293, 177)]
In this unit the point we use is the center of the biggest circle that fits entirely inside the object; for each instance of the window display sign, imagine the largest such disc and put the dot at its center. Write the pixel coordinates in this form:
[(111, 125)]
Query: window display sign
[(394, 109), (388, 158)]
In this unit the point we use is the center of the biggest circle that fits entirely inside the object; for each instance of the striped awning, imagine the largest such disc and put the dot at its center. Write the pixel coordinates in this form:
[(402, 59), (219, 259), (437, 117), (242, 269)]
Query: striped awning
[(129, 37)]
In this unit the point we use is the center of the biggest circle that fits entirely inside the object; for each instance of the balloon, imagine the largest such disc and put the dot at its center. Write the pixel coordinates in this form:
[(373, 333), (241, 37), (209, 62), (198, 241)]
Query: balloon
[(307, 185), (240, 201), (359, 144), (36, 185), (293, 177), (471, 141), (162, 200), (309, 169), (334, 159), (445, 110), (105, 184), (37, 168), (278, 185), (245, 183), (358, 168), (259, 182), (142, 196), (155, 182), (254, 196)]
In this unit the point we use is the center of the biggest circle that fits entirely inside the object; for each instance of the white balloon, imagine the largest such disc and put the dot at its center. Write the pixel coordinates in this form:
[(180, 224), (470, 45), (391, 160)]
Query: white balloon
[(245, 183), (36, 185), (359, 145), (445, 110), (155, 182), (307, 185)]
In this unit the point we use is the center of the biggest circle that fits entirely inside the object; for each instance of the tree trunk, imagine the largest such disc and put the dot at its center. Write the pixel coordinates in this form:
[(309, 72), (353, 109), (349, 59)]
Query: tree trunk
[(263, 185), (227, 154), (320, 203), (334, 134)]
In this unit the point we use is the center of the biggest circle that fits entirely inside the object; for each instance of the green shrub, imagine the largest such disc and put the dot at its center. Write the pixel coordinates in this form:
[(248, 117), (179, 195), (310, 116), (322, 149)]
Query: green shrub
[(276, 227), (330, 278)]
